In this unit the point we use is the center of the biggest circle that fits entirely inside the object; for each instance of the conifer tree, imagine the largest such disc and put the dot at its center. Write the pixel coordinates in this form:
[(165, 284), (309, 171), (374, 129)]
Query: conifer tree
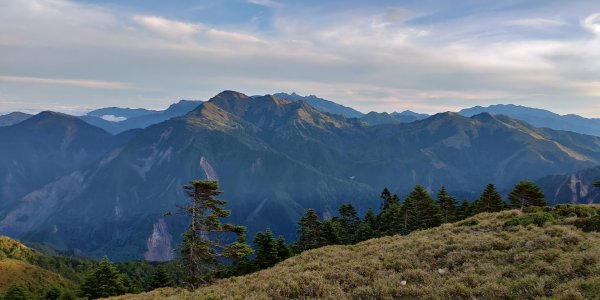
[(391, 220), (419, 211), (161, 278), (525, 194), (490, 200), (310, 233), (447, 205), (266, 250), (203, 244), (465, 210), (283, 251), (332, 232), (103, 281), (349, 222), (371, 220), (387, 199)]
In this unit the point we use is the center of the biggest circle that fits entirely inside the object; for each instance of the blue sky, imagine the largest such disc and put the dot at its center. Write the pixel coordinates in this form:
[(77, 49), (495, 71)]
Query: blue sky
[(427, 56)]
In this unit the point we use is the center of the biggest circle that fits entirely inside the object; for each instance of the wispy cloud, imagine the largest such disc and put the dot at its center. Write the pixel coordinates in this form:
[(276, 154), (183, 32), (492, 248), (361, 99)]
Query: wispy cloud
[(369, 55), (82, 83)]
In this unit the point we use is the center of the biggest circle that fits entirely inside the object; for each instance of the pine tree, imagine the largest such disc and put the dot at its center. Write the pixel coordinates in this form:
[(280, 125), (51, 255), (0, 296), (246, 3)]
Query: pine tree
[(52, 294), (419, 211), (387, 199), (310, 234), (283, 251), (161, 278), (103, 281), (266, 250), (490, 200), (202, 248), (464, 210), (349, 222), (391, 220), (371, 220), (447, 205), (525, 194), (332, 232)]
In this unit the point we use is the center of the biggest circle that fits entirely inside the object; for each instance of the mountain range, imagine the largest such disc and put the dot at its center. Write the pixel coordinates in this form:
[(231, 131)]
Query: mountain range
[(273, 158)]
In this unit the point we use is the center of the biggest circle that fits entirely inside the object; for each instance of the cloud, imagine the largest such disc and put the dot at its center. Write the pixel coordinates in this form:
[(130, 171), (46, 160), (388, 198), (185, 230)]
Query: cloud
[(113, 118), (167, 27), (82, 83), (592, 23), (538, 22), (369, 56)]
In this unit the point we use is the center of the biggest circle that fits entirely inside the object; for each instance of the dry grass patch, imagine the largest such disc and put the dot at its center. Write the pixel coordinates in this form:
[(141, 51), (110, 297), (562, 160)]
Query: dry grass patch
[(482, 257)]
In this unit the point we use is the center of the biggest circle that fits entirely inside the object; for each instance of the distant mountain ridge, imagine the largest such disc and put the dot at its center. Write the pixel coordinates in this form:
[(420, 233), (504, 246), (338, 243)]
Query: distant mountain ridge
[(13, 118), (274, 158), (540, 118), (407, 116), (323, 105)]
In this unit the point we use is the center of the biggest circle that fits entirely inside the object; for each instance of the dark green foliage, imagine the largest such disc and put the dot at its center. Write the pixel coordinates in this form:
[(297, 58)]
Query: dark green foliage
[(524, 194), (419, 211), (469, 222), (310, 234), (52, 294), (266, 250), (589, 224), (103, 281), (391, 221), (368, 227), (161, 278), (465, 210), (349, 222), (387, 199), (490, 200), (597, 183), (17, 292), (332, 232), (201, 247), (447, 205), (537, 218), (579, 211), (283, 251)]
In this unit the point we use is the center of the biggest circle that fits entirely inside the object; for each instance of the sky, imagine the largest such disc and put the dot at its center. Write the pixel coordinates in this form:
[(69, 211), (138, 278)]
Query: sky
[(427, 56)]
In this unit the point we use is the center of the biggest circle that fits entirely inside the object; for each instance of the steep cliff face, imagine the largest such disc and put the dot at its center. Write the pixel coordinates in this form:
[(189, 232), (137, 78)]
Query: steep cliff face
[(159, 243), (574, 187)]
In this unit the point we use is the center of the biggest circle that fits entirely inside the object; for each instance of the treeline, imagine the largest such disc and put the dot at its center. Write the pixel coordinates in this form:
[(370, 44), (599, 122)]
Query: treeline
[(211, 249), (419, 210)]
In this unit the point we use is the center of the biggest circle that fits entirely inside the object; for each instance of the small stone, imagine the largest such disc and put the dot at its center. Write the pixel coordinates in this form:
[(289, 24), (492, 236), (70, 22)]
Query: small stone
[(441, 271), (403, 282)]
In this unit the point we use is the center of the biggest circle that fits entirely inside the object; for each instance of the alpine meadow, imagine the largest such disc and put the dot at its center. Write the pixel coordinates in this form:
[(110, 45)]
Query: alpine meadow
[(281, 149)]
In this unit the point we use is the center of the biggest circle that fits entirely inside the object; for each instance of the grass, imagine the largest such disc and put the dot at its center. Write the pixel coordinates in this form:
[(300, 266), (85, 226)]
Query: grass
[(30, 277), (537, 254)]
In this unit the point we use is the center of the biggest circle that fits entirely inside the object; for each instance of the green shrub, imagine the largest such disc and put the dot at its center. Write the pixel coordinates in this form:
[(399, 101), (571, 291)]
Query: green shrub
[(469, 222), (538, 218), (589, 224), (580, 211)]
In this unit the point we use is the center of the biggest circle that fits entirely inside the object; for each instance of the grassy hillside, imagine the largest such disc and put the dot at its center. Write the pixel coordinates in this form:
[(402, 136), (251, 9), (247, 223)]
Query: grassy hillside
[(19, 265), (506, 255), (30, 277)]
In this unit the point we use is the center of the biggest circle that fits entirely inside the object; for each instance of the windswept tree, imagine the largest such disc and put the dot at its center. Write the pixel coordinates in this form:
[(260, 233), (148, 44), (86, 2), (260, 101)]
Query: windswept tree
[(207, 241), (525, 194), (447, 205), (490, 200)]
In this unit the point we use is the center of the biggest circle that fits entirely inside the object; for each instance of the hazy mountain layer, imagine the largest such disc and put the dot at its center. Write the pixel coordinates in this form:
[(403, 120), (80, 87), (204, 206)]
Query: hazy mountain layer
[(274, 158), (540, 118)]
